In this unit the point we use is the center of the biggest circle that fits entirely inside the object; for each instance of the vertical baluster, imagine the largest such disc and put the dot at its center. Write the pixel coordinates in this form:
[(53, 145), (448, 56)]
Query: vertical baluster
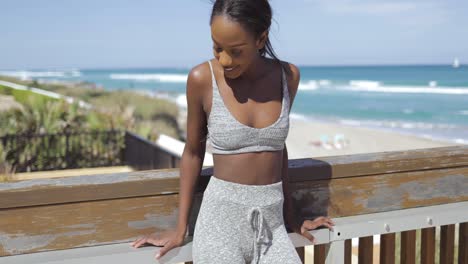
[(428, 245), (366, 250), (387, 248), (319, 254), (408, 247), (447, 239), (463, 244), (301, 253), (348, 251), (336, 252)]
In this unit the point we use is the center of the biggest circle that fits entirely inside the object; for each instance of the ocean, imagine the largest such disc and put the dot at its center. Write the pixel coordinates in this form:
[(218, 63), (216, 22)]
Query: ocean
[(429, 101)]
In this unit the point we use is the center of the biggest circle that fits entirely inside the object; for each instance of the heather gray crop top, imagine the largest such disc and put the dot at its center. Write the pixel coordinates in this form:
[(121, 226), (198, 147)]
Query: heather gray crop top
[(229, 136)]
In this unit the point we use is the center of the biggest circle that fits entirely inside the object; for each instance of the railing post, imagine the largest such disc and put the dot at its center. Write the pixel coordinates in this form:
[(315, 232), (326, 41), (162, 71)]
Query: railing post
[(447, 240), (463, 244), (428, 245), (366, 250), (336, 252), (387, 248)]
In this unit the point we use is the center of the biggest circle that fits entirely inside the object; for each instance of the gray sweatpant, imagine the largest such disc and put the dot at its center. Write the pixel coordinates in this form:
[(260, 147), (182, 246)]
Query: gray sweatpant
[(239, 223)]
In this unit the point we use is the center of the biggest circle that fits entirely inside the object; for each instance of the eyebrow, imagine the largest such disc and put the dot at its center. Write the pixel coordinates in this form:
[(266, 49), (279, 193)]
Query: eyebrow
[(232, 46)]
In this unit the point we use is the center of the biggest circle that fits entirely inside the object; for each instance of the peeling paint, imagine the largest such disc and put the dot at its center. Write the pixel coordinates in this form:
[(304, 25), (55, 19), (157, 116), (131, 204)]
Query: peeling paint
[(87, 180), (18, 243), (155, 220)]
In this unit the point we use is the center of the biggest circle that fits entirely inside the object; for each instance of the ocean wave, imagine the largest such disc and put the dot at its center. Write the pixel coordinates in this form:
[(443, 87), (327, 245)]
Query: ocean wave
[(374, 86), (313, 84), (397, 124), (408, 111), (26, 75), (151, 77), (298, 116), (463, 112)]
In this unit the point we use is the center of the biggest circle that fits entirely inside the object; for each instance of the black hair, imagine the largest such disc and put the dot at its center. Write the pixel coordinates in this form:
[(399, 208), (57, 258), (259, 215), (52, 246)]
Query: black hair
[(254, 15)]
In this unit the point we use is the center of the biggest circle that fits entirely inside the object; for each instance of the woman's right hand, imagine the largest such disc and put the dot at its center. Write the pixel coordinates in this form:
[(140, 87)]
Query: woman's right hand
[(167, 239)]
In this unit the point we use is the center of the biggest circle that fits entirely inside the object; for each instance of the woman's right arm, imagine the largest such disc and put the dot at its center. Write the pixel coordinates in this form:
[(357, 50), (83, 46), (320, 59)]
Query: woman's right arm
[(194, 151), (191, 162)]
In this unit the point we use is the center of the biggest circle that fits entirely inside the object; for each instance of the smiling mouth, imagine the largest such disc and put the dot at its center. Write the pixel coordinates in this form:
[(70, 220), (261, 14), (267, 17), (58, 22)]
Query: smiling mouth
[(229, 69)]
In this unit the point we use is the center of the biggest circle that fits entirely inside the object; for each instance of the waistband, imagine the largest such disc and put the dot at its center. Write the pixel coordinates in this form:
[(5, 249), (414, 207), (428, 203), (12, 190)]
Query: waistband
[(246, 194)]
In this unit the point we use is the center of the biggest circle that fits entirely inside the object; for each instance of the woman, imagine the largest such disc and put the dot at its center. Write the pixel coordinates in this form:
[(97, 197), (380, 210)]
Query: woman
[(240, 101)]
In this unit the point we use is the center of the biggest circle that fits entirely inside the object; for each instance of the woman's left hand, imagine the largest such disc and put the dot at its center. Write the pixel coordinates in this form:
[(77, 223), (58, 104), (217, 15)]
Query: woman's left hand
[(313, 224)]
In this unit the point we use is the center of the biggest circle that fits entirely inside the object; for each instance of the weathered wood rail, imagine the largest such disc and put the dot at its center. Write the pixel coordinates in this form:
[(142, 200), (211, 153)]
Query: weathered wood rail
[(377, 193)]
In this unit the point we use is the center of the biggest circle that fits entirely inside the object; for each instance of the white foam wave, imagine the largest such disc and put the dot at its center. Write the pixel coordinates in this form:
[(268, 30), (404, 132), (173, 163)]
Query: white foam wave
[(297, 116), (463, 112), (172, 78), (408, 111), (373, 86), (26, 75), (313, 84), (364, 84), (396, 124)]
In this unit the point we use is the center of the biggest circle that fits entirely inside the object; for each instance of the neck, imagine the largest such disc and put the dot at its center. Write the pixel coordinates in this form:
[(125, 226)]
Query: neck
[(256, 70)]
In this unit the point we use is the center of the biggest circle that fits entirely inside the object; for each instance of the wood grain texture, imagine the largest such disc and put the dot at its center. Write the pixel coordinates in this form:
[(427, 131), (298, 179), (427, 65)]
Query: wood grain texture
[(42, 228), (408, 247), (380, 193), (93, 188), (463, 244), (377, 163), (50, 214), (366, 250), (387, 248), (320, 254), (428, 245), (447, 241), (348, 251)]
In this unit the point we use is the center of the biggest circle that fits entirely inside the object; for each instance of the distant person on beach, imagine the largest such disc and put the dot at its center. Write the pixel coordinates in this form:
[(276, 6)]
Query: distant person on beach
[(240, 101)]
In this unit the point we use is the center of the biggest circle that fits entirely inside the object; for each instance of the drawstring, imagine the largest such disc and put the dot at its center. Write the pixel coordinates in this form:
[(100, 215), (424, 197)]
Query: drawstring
[(257, 221)]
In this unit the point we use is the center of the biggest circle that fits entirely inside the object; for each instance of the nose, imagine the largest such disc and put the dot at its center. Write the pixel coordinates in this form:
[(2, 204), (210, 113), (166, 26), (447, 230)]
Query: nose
[(225, 60)]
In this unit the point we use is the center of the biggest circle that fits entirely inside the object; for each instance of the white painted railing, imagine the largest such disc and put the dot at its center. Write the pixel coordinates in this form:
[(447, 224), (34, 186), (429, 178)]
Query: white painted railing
[(345, 228), (68, 99)]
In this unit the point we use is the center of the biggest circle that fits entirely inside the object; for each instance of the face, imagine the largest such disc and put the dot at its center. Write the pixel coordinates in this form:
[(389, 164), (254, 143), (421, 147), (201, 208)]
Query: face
[(235, 48)]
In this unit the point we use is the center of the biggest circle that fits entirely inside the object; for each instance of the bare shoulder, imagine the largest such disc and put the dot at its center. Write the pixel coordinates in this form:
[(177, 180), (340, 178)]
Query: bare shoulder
[(293, 76), (198, 81)]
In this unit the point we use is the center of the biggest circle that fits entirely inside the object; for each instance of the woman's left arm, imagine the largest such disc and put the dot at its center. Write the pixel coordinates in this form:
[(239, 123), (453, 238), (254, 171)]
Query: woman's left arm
[(291, 220)]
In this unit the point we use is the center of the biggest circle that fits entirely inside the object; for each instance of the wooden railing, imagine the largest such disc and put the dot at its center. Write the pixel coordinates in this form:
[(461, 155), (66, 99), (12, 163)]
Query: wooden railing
[(388, 193), (142, 154)]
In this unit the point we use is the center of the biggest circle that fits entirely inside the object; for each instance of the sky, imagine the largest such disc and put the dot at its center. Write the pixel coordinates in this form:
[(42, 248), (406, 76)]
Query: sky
[(57, 34)]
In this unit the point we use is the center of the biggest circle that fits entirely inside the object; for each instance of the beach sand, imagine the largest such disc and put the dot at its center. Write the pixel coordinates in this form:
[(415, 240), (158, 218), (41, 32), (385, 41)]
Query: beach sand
[(305, 140), (306, 137)]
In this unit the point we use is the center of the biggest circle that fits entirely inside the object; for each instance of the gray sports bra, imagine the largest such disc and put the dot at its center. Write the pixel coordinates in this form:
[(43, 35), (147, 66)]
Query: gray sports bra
[(229, 136)]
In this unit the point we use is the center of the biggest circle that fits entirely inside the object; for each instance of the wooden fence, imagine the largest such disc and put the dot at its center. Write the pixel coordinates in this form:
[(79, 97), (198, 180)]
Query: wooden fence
[(388, 193), (71, 150)]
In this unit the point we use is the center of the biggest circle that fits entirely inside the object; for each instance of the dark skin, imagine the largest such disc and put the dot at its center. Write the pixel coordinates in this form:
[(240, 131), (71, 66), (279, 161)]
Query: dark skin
[(250, 86)]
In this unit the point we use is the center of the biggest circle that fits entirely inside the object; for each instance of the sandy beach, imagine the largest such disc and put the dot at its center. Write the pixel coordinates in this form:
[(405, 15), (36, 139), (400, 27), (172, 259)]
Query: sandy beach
[(318, 139), (309, 138)]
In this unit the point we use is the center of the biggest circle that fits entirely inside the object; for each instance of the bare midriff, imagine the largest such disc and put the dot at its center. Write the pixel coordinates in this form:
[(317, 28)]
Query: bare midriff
[(252, 168)]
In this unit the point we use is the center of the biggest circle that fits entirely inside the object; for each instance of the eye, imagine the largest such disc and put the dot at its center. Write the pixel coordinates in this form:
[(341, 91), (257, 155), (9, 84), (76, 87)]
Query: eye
[(236, 53), (217, 50)]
